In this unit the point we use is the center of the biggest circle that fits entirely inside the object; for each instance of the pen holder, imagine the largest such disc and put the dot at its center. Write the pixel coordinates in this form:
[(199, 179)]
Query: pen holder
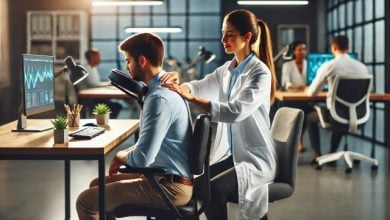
[(73, 120)]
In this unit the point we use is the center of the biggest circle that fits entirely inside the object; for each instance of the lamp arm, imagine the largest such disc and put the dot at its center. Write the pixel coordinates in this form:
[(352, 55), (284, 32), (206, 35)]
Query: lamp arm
[(61, 71), (197, 59), (280, 53)]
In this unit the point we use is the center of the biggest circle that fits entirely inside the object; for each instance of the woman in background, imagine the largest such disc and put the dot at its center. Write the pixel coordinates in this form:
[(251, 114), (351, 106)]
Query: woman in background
[(294, 79), (294, 71)]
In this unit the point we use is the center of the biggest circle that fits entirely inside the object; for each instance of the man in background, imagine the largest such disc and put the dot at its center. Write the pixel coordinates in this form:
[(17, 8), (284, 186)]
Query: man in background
[(341, 64), (93, 80)]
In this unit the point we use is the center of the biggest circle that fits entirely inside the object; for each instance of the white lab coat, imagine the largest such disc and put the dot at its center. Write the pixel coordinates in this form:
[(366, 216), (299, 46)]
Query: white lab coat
[(248, 110)]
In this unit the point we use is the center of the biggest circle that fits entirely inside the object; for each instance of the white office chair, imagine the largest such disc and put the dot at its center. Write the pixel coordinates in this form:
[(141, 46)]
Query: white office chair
[(350, 109)]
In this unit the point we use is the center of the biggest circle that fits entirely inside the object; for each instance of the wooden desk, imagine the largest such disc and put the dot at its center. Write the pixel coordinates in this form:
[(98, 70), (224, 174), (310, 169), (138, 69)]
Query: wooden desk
[(107, 92), (301, 96), (40, 146)]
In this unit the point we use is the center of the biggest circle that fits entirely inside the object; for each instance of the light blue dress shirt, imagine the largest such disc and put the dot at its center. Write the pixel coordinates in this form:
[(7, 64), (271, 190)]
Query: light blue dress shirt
[(235, 73), (165, 131)]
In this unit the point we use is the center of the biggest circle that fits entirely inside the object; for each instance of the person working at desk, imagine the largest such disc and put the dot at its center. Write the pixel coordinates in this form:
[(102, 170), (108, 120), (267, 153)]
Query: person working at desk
[(238, 96), (93, 80), (294, 71), (165, 132), (294, 79), (341, 64)]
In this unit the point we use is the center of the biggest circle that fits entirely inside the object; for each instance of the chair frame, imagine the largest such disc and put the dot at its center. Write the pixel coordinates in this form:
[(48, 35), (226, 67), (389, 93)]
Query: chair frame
[(353, 122)]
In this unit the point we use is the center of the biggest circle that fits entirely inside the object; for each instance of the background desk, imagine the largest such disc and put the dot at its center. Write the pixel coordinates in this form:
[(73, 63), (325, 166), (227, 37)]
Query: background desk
[(107, 92), (40, 146), (301, 96), (321, 97)]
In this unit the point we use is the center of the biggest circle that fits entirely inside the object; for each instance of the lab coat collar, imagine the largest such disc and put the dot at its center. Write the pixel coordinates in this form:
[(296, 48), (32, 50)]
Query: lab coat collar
[(239, 69)]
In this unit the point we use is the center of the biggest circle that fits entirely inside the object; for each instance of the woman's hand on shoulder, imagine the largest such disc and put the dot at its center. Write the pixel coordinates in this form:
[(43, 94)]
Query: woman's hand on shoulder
[(170, 78), (182, 90)]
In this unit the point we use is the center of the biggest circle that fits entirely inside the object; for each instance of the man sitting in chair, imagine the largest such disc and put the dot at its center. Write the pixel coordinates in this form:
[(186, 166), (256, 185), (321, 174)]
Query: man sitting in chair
[(164, 139), (341, 64)]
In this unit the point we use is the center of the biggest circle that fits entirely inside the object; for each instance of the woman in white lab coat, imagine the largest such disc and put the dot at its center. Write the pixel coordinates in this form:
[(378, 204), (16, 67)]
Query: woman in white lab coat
[(238, 95)]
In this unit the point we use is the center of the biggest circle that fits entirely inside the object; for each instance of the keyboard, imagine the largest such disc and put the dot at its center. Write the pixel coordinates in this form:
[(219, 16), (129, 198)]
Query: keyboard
[(87, 132)]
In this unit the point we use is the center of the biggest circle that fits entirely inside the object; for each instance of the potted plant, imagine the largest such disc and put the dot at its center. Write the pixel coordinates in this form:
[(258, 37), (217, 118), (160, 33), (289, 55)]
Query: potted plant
[(61, 130), (102, 112)]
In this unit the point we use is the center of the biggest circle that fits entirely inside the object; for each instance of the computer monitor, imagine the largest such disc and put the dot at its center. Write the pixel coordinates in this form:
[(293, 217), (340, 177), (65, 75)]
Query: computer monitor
[(37, 89), (315, 60)]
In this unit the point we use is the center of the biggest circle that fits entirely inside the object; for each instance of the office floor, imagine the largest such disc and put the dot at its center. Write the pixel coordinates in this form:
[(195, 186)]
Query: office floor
[(35, 189)]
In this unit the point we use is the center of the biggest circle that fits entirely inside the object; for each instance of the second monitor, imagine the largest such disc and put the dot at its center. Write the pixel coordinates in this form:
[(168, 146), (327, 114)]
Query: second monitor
[(315, 60)]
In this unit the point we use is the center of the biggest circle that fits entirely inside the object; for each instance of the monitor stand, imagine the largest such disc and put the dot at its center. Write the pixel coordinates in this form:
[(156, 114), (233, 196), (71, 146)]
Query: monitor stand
[(22, 125)]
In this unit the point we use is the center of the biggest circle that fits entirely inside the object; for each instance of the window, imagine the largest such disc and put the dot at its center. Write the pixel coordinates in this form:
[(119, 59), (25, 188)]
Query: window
[(365, 27), (201, 27)]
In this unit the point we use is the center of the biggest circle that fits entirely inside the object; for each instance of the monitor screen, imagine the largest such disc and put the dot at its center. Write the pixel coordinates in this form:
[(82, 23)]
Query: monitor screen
[(37, 90), (38, 83), (315, 60)]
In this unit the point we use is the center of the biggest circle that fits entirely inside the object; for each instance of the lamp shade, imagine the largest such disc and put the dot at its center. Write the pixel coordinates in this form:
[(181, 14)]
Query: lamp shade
[(77, 73)]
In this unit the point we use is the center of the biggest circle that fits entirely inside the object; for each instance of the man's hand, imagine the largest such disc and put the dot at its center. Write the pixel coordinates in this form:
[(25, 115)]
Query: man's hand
[(170, 78), (114, 167), (119, 160)]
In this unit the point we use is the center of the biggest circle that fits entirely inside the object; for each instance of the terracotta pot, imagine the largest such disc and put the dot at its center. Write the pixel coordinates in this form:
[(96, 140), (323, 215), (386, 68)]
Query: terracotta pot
[(102, 119)]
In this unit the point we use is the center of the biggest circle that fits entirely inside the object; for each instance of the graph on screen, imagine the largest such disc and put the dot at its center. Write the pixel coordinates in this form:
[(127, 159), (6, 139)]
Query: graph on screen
[(38, 81)]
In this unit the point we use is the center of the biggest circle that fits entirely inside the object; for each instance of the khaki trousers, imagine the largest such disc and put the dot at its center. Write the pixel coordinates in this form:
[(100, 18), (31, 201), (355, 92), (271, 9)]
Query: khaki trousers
[(128, 189)]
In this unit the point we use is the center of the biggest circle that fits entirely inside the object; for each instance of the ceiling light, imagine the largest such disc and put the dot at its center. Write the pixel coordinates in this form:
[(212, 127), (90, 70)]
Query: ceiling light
[(273, 2), (124, 3), (153, 29)]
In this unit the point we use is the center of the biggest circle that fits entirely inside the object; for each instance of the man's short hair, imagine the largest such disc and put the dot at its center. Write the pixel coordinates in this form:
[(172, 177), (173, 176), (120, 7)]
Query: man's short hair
[(90, 53), (341, 42), (146, 44)]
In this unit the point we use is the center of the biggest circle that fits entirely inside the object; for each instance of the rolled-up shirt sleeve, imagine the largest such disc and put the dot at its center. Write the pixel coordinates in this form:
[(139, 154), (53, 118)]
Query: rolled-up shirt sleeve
[(157, 118)]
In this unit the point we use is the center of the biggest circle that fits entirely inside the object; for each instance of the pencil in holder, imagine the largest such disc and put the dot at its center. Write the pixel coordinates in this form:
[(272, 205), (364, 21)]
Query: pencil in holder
[(73, 119)]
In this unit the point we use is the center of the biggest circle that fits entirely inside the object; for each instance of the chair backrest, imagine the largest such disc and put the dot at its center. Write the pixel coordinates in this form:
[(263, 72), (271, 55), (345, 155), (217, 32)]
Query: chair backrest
[(199, 160), (350, 100), (286, 130)]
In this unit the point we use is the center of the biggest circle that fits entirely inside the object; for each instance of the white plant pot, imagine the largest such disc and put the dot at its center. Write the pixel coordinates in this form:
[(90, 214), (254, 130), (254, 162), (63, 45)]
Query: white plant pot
[(61, 136), (102, 119)]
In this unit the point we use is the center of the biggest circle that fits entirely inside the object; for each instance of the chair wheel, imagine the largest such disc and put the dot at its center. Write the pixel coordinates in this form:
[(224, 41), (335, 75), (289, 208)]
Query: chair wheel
[(318, 167), (374, 167), (348, 170)]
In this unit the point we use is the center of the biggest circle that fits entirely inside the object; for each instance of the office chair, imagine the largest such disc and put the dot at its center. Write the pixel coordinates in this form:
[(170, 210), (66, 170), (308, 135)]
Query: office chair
[(199, 165), (350, 110), (286, 131)]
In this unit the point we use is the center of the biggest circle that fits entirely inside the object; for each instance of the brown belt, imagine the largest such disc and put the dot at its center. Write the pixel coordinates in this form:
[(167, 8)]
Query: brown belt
[(178, 179)]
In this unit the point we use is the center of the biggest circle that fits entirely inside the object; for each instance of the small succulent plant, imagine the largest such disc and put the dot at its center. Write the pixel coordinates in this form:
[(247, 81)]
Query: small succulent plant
[(101, 108), (60, 122)]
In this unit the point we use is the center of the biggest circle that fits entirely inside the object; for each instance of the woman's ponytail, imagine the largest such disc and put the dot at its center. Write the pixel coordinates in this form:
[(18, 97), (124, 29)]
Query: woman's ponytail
[(265, 53)]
